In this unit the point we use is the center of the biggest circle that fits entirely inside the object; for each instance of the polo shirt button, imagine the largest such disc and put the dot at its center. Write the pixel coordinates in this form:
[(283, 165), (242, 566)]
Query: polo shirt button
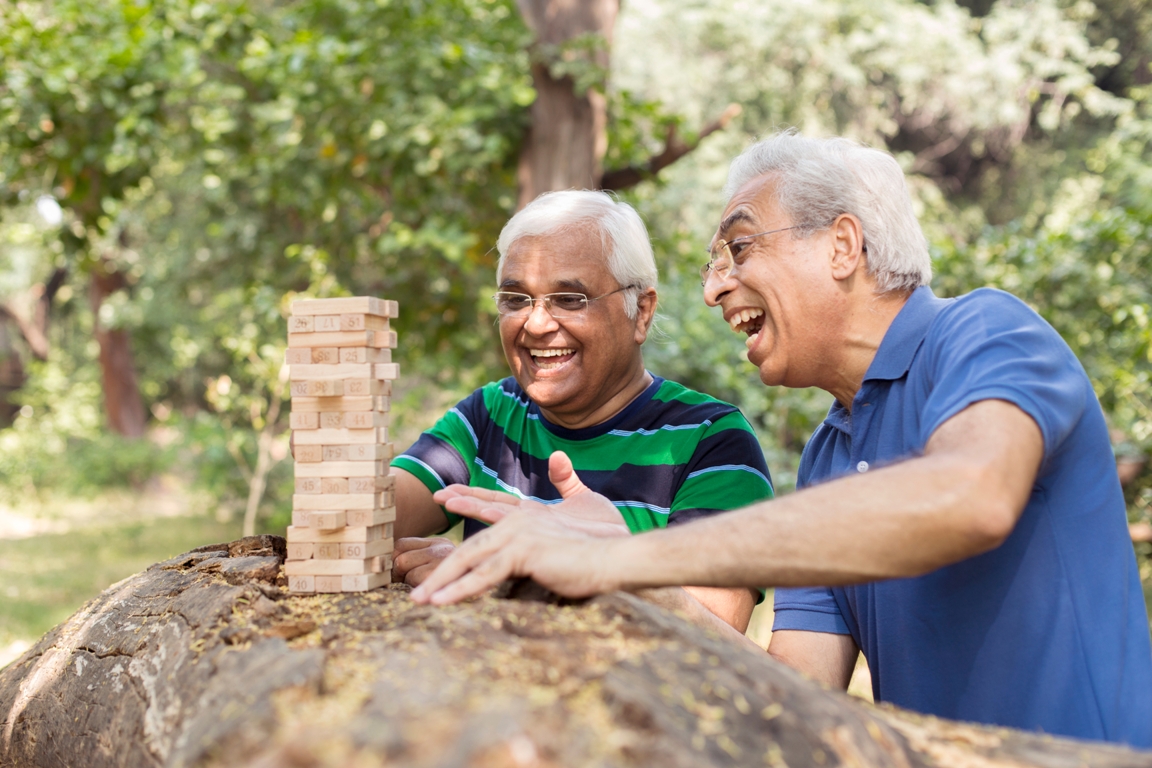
[(862, 466)]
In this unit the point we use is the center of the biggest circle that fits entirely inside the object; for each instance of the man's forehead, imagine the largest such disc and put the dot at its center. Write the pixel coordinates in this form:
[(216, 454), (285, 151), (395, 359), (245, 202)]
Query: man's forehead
[(566, 261), (751, 205)]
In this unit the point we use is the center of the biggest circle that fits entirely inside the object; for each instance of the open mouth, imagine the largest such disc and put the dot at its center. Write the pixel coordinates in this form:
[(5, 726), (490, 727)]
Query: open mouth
[(748, 321), (548, 359)]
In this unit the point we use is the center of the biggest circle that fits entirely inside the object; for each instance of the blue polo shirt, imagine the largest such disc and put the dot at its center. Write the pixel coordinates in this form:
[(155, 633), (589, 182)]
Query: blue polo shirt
[(1049, 630)]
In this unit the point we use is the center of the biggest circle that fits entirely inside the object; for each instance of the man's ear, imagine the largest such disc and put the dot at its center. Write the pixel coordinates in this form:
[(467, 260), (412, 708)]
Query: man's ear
[(646, 302), (848, 254)]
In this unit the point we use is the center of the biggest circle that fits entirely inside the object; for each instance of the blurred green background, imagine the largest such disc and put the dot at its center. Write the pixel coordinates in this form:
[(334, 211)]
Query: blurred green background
[(173, 173)]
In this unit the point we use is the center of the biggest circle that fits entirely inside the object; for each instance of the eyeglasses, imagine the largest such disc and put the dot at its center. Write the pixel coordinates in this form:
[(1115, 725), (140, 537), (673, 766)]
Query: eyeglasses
[(722, 257), (559, 305)]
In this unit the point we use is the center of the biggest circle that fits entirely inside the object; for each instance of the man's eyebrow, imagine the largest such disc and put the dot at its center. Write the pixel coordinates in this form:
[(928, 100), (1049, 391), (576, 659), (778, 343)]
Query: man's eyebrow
[(507, 284), (575, 286), (733, 219)]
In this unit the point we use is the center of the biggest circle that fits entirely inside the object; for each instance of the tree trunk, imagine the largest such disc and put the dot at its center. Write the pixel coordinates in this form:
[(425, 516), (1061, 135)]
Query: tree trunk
[(206, 660), (567, 139), (122, 402)]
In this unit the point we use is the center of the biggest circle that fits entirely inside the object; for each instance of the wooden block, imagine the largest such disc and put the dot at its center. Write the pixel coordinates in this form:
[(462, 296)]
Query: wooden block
[(334, 419), (370, 517), (329, 584), (367, 387), (300, 550), (340, 404), (316, 567), (365, 305), (361, 355), (302, 584), (344, 371), (330, 550), (301, 324), (304, 420), (339, 501), (343, 339), (308, 454), (363, 582), (365, 419), (358, 452), (336, 485), (298, 356), (361, 322), (355, 550), (327, 323), (324, 520), (341, 436), (301, 534), (309, 485), (357, 469), (325, 356), (371, 483), (316, 387)]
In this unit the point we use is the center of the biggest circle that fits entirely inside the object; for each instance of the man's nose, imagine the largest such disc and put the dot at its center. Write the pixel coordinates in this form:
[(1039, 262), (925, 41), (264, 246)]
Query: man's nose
[(715, 287), (539, 321)]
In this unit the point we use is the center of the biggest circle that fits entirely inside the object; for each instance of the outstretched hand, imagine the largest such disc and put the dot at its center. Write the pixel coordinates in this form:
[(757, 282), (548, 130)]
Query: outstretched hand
[(561, 545), (581, 508)]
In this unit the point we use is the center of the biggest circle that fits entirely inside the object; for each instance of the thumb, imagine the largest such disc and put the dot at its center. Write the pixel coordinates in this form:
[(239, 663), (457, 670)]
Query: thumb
[(563, 476)]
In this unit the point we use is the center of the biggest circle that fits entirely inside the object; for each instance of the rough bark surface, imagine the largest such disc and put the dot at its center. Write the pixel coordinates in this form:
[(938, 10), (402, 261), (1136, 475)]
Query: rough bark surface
[(203, 660)]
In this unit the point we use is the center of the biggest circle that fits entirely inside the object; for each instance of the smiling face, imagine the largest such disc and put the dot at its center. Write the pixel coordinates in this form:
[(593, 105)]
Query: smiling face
[(580, 370), (780, 293)]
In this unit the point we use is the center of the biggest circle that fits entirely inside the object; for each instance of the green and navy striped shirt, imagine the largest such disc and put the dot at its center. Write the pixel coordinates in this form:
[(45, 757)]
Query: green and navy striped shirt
[(671, 455)]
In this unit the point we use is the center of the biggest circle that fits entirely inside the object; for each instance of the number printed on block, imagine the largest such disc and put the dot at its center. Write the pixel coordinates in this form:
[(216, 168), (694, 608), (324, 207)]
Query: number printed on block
[(325, 355), (327, 550), (327, 521), (308, 454), (334, 484), (309, 485), (301, 324), (303, 584), (298, 356), (300, 550), (304, 420), (325, 323), (362, 355), (334, 420), (329, 584)]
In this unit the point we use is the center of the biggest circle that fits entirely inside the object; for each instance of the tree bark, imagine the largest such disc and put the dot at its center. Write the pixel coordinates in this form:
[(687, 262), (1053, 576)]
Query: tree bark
[(205, 660), (122, 402), (565, 144)]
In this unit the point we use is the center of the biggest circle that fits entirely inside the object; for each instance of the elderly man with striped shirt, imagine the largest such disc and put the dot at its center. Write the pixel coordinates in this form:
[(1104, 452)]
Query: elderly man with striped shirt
[(577, 294)]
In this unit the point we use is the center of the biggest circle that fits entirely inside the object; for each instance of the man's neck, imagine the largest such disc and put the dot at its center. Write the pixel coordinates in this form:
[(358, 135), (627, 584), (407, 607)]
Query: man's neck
[(867, 325), (633, 386)]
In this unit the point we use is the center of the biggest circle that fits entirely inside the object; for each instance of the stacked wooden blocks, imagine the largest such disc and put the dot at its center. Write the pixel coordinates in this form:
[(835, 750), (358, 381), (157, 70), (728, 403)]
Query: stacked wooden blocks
[(340, 362)]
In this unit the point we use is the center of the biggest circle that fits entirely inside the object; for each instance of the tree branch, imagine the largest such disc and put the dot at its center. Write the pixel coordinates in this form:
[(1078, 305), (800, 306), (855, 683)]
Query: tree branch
[(674, 149)]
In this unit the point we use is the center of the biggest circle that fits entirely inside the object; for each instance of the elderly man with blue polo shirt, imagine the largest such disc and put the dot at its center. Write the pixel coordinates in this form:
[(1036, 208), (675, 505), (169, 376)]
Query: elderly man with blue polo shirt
[(959, 517)]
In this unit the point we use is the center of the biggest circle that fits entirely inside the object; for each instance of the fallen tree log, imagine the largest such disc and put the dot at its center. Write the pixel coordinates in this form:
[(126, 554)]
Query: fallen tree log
[(203, 660)]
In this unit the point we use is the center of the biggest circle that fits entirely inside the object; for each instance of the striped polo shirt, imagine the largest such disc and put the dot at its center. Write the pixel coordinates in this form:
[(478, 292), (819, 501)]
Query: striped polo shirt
[(671, 455)]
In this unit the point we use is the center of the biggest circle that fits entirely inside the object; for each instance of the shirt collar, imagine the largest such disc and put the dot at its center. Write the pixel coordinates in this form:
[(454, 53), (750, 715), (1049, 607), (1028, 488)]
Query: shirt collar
[(905, 335)]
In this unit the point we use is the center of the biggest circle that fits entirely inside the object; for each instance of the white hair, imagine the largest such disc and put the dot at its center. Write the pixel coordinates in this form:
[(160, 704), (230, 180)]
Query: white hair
[(816, 180), (622, 235)]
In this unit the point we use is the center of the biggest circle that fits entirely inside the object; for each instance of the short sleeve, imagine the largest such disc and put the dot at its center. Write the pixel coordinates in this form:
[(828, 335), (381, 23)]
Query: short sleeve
[(809, 609), (445, 453), (991, 346), (727, 471)]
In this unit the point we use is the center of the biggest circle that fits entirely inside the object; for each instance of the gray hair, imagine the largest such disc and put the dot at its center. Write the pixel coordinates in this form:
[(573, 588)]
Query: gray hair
[(819, 179), (622, 235)]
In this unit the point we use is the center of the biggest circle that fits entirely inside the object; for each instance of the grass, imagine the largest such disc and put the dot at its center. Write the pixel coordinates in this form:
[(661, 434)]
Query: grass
[(46, 578)]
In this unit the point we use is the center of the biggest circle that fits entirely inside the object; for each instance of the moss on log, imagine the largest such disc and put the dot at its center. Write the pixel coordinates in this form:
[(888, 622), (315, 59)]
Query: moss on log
[(205, 660)]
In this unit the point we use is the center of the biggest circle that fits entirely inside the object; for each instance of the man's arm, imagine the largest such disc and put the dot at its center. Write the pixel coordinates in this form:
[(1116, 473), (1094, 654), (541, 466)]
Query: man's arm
[(416, 512), (961, 498), (732, 606), (824, 657)]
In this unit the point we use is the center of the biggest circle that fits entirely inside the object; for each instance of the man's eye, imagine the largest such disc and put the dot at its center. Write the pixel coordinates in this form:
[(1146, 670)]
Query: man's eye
[(737, 248), (514, 302), (568, 301)]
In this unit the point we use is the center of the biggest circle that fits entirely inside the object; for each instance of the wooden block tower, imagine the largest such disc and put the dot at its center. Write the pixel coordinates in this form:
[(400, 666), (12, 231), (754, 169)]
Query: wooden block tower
[(340, 362)]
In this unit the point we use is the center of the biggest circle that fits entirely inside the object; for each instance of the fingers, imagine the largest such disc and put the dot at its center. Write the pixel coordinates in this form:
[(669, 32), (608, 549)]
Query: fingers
[(409, 544), (479, 549), (482, 494), (485, 511), (410, 554), (563, 476)]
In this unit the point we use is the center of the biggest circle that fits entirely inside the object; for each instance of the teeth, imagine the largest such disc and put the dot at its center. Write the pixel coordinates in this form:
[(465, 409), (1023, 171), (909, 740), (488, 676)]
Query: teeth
[(550, 352), (744, 316)]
